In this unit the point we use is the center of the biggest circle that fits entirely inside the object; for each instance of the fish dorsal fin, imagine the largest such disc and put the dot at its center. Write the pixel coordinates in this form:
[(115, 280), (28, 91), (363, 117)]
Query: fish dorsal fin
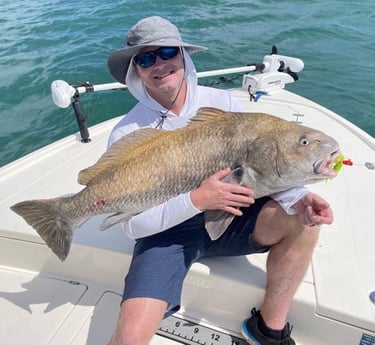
[(207, 114), (118, 152)]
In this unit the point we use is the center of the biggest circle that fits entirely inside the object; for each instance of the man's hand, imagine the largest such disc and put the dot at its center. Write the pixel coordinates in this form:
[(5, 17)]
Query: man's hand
[(214, 194), (313, 210)]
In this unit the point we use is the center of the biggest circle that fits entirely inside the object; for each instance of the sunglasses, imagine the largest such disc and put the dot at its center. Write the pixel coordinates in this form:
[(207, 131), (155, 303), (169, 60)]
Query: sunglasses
[(149, 58)]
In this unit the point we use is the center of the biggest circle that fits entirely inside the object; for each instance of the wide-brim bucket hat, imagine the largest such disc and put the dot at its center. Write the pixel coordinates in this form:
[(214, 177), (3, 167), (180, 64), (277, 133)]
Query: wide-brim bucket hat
[(148, 32)]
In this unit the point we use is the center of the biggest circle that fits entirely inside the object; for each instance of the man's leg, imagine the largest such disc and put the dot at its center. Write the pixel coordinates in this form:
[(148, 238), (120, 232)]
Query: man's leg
[(291, 247), (154, 281), (138, 321)]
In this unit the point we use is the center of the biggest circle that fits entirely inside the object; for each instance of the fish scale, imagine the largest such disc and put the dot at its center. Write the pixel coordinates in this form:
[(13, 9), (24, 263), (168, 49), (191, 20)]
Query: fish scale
[(149, 166)]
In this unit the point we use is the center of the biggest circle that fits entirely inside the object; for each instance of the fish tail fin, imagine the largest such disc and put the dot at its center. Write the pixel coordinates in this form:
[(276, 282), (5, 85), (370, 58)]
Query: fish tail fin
[(52, 227)]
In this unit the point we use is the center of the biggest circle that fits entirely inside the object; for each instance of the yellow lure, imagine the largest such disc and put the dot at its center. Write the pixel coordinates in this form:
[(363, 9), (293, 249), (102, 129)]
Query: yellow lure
[(338, 163)]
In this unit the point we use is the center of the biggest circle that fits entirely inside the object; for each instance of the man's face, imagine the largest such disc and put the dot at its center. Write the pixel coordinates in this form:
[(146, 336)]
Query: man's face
[(164, 77)]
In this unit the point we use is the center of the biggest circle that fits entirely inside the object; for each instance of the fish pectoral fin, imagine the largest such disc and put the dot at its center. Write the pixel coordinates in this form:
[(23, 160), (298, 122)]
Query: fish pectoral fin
[(114, 219), (235, 176), (217, 223)]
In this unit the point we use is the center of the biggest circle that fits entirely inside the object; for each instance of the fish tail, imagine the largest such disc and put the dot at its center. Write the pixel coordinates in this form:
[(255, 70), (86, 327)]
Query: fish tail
[(52, 227)]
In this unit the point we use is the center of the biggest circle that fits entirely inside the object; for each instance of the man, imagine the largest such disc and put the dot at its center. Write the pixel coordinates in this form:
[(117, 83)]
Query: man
[(156, 66)]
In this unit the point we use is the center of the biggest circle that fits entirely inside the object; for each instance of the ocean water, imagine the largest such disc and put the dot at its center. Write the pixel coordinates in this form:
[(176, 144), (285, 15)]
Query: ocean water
[(44, 40)]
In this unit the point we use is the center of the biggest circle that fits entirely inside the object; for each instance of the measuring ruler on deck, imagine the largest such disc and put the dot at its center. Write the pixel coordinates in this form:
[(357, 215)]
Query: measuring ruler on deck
[(190, 333)]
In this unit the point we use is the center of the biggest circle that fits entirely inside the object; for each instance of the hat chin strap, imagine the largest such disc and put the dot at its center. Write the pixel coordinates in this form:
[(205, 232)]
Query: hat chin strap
[(164, 114)]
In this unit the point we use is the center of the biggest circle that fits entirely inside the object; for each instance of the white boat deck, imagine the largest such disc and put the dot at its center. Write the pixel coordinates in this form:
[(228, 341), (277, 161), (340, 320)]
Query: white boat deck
[(77, 301)]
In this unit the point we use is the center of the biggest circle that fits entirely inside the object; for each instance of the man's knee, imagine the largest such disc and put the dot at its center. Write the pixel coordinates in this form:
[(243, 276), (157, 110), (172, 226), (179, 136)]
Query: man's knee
[(274, 225)]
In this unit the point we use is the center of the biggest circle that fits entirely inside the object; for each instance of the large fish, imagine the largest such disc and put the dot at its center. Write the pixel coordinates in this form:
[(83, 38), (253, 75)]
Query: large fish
[(149, 166)]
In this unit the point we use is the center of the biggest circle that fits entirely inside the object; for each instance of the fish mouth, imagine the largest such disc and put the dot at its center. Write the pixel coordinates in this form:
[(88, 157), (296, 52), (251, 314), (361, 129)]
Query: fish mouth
[(324, 167)]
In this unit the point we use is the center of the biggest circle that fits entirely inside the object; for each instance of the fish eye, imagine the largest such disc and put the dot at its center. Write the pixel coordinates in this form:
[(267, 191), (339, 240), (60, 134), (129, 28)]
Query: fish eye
[(304, 141)]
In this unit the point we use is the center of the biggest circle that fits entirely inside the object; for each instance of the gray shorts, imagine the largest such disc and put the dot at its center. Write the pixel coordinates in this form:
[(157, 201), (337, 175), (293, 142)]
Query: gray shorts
[(160, 262)]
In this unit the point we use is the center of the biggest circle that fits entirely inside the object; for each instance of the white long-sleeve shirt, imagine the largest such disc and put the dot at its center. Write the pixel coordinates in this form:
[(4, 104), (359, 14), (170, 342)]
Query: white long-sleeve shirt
[(147, 113)]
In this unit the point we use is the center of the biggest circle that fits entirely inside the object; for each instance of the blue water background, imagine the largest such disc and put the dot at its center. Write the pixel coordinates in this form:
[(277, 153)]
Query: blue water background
[(41, 41)]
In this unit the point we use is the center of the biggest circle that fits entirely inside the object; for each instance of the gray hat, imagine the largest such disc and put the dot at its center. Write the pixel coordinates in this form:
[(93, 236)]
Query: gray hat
[(150, 31)]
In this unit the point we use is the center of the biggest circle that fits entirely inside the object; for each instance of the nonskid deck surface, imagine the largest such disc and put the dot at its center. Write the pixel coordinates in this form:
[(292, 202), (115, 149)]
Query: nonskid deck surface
[(77, 302), (54, 310), (33, 300)]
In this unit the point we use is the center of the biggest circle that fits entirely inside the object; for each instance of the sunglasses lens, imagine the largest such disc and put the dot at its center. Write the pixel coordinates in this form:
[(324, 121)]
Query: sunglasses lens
[(146, 59), (149, 58), (167, 53)]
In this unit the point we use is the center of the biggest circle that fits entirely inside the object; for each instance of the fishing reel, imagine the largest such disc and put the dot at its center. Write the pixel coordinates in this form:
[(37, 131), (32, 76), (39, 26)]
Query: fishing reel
[(276, 71)]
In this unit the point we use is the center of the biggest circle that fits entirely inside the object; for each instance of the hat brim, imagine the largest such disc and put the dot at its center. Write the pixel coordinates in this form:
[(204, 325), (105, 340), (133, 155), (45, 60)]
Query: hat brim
[(118, 61)]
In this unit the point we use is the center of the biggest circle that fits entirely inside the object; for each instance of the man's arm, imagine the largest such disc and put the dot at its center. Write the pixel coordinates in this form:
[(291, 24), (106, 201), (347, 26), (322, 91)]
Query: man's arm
[(211, 194)]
